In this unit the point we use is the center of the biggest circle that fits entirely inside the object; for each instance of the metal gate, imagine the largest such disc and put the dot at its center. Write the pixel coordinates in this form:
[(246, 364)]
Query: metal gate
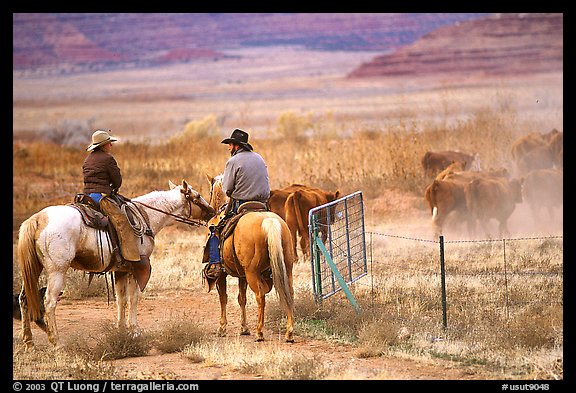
[(337, 246)]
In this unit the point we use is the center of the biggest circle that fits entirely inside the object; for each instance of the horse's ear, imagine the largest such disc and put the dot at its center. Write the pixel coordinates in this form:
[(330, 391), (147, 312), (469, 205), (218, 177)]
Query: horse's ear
[(184, 184), (172, 185), (209, 178)]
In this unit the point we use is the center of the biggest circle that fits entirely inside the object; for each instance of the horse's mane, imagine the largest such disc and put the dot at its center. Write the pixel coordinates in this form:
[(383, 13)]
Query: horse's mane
[(217, 188), (156, 199)]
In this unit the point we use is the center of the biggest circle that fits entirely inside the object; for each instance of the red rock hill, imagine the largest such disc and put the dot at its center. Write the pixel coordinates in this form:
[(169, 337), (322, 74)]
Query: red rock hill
[(501, 44)]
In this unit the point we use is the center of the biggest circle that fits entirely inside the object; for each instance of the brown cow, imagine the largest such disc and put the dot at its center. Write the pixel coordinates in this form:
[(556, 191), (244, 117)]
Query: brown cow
[(543, 188), (557, 147), (490, 197), (278, 198), (297, 206), (540, 157), (457, 166), (525, 143), (537, 151), (434, 162), (466, 176), (446, 199)]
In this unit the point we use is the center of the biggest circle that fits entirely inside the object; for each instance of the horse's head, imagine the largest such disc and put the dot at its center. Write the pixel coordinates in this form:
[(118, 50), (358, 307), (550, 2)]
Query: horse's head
[(198, 207), (217, 196)]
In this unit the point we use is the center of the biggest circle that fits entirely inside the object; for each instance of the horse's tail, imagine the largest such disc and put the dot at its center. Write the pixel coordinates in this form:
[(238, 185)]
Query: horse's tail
[(30, 266), (273, 230)]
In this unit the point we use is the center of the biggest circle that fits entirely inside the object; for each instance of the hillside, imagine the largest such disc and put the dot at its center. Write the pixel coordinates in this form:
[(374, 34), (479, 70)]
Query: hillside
[(504, 44), (67, 43)]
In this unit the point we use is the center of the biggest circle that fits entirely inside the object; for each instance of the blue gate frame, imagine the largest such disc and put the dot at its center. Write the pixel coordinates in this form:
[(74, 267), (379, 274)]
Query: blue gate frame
[(337, 246)]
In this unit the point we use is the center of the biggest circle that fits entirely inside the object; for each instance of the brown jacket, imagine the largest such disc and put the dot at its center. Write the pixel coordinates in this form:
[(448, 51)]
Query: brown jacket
[(101, 173)]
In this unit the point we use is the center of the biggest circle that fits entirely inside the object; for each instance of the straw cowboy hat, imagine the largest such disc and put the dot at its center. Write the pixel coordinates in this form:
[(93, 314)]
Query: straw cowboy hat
[(99, 138), (239, 137)]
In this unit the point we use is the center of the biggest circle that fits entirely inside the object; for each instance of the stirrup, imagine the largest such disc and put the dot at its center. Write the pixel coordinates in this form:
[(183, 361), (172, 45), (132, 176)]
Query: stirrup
[(211, 274)]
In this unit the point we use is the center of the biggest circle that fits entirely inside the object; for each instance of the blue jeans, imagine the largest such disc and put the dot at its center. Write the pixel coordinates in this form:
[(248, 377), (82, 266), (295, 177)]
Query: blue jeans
[(213, 249), (236, 205), (96, 196)]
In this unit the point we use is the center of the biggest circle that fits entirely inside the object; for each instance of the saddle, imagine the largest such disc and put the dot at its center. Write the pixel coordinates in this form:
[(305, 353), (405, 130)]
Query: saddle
[(225, 226), (90, 212), (93, 217)]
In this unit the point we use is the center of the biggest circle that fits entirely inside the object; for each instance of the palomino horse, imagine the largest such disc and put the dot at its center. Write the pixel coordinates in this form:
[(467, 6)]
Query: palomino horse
[(56, 238), (260, 242)]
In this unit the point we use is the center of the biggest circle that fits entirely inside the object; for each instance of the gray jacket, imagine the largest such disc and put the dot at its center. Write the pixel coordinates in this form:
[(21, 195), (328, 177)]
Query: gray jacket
[(246, 177)]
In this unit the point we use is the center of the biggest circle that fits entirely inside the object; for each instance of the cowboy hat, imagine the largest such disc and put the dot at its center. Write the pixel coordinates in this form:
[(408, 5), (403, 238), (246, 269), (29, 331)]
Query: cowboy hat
[(99, 138), (239, 137)]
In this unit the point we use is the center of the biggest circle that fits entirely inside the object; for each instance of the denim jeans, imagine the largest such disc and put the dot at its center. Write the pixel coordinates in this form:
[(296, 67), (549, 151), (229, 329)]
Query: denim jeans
[(213, 249), (96, 196)]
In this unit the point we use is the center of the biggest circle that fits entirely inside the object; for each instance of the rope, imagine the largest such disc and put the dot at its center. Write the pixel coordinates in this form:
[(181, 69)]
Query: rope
[(139, 225)]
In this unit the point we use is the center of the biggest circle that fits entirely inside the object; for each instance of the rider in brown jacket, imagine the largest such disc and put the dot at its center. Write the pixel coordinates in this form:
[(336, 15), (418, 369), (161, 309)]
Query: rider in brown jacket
[(102, 178)]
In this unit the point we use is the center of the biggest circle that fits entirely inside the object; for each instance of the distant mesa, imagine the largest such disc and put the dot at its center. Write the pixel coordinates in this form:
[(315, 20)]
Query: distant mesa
[(502, 44)]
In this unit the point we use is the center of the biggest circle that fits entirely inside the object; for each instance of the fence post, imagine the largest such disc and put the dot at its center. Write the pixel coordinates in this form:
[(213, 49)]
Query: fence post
[(443, 284), (505, 279)]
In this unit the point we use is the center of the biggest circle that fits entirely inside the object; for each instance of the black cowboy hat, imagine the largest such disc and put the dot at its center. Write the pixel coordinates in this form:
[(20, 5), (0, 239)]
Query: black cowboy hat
[(239, 137)]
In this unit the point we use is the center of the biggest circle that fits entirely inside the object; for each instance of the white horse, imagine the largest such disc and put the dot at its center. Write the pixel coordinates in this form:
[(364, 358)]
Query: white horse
[(56, 238)]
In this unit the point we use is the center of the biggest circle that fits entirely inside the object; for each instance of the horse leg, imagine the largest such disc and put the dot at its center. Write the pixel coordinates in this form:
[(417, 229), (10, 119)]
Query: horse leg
[(54, 287), (261, 300), (242, 285), (290, 312), (133, 291), (121, 283), (223, 296), (26, 327), (257, 287)]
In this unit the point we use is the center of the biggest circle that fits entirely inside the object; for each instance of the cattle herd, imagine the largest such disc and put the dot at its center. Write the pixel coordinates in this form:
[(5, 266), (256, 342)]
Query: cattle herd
[(461, 192)]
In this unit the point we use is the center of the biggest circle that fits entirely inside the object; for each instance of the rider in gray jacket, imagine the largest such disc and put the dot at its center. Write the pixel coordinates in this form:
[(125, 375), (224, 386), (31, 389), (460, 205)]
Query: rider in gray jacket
[(245, 179), (245, 174)]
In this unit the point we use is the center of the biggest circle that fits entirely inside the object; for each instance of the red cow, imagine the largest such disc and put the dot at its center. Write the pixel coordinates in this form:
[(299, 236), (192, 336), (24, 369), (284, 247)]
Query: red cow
[(491, 197), (434, 162), (297, 206)]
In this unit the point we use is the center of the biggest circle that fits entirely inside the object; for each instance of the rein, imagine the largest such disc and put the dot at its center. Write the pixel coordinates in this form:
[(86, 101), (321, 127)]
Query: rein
[(184, 220)]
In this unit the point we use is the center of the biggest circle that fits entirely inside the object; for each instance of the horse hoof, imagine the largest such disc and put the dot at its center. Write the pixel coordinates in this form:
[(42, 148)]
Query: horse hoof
[(244, 332), (260, 339), (290, 340)]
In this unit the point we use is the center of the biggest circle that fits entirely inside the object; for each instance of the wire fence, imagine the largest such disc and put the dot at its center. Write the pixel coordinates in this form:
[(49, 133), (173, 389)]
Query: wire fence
[(486, 290), (489, 275)]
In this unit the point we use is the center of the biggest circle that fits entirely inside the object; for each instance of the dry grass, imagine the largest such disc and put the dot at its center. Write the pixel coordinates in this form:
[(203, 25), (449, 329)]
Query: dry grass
[(511, 325), (266, 360), (174, 335), (47, 364)]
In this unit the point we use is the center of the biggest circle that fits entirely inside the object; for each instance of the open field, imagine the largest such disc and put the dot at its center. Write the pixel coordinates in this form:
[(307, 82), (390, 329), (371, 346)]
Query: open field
[(252, 92), (312, 127)]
